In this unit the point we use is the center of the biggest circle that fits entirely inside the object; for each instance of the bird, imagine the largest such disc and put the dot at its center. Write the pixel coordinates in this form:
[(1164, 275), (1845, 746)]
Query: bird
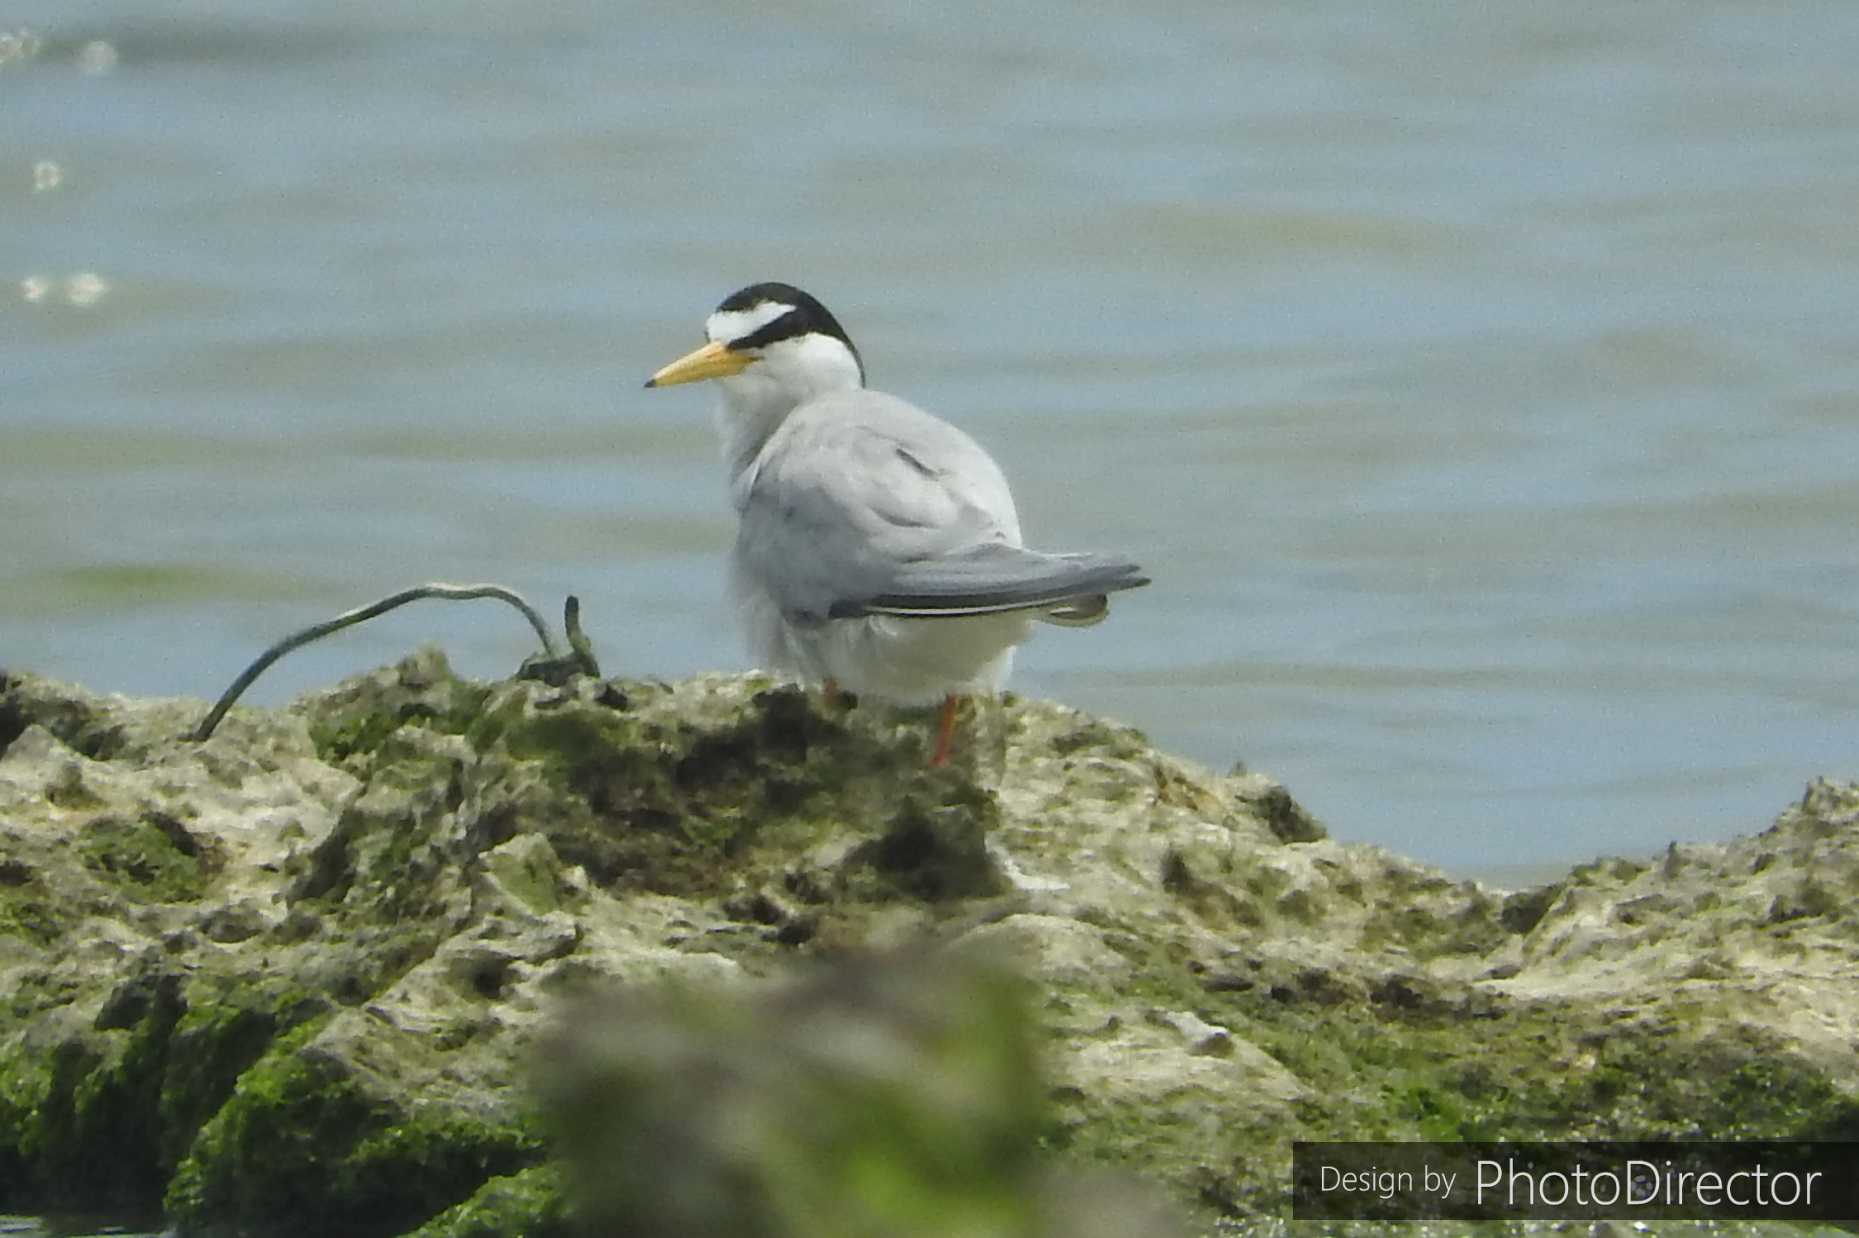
[(878, 550)]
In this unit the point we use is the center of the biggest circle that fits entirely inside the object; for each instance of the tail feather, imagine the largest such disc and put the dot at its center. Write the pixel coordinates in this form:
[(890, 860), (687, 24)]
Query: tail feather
[(1083, 612)]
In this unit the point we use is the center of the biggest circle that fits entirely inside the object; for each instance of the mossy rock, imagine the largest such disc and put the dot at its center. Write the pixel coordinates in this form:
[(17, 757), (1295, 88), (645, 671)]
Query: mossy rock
[(312, 1146), (529, 1202), (297, 974)]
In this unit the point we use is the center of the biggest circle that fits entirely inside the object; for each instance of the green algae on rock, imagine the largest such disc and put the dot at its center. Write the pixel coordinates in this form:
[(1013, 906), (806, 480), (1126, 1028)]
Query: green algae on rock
[(309, 960)]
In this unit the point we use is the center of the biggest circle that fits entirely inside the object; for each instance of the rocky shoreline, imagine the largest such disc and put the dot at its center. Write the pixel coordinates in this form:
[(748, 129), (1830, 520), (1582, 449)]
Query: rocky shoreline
[(294, 979)]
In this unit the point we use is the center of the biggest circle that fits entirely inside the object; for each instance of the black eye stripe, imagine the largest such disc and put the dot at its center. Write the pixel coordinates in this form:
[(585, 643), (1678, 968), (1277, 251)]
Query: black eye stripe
[(787, 326)]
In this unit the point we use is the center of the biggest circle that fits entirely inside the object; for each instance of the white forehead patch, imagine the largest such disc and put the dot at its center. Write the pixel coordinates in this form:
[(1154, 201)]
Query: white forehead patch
[(726, 325)]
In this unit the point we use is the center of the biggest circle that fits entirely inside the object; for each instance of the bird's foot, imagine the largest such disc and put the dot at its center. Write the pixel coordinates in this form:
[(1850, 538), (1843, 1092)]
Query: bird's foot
[(945, 731)]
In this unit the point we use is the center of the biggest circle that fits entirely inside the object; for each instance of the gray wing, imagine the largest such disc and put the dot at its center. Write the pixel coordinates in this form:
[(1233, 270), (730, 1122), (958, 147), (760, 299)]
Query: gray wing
[(856, 488), (995, 577)]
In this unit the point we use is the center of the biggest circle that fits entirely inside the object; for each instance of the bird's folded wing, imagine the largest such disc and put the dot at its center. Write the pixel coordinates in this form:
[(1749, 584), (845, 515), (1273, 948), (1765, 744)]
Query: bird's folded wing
[(992, 578), (835, 506)]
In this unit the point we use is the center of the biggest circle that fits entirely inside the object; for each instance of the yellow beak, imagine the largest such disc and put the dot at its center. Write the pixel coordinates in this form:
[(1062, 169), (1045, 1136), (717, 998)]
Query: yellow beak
[(710, 361)]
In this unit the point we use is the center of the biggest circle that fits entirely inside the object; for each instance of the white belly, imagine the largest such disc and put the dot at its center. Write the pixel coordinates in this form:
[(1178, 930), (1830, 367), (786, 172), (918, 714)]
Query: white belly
[(909, 661)]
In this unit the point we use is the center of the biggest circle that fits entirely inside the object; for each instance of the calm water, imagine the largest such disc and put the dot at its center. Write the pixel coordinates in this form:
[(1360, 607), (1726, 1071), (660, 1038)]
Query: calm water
[(1481, 388), (69, 1227)]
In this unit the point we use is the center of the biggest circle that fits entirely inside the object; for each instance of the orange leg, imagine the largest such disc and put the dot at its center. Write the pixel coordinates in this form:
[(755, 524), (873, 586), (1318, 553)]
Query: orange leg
[(945, 731)]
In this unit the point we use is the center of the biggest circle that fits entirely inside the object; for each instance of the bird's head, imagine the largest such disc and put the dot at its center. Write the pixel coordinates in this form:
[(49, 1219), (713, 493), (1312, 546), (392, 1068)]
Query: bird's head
[(771, 347)]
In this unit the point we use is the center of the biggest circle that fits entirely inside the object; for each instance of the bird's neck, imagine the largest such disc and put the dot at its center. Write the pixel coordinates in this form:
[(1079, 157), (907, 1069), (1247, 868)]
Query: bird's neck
[(753, 407)]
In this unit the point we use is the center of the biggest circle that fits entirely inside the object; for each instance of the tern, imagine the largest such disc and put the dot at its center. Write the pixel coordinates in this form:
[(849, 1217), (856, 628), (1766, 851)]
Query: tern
[(877, 547)]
